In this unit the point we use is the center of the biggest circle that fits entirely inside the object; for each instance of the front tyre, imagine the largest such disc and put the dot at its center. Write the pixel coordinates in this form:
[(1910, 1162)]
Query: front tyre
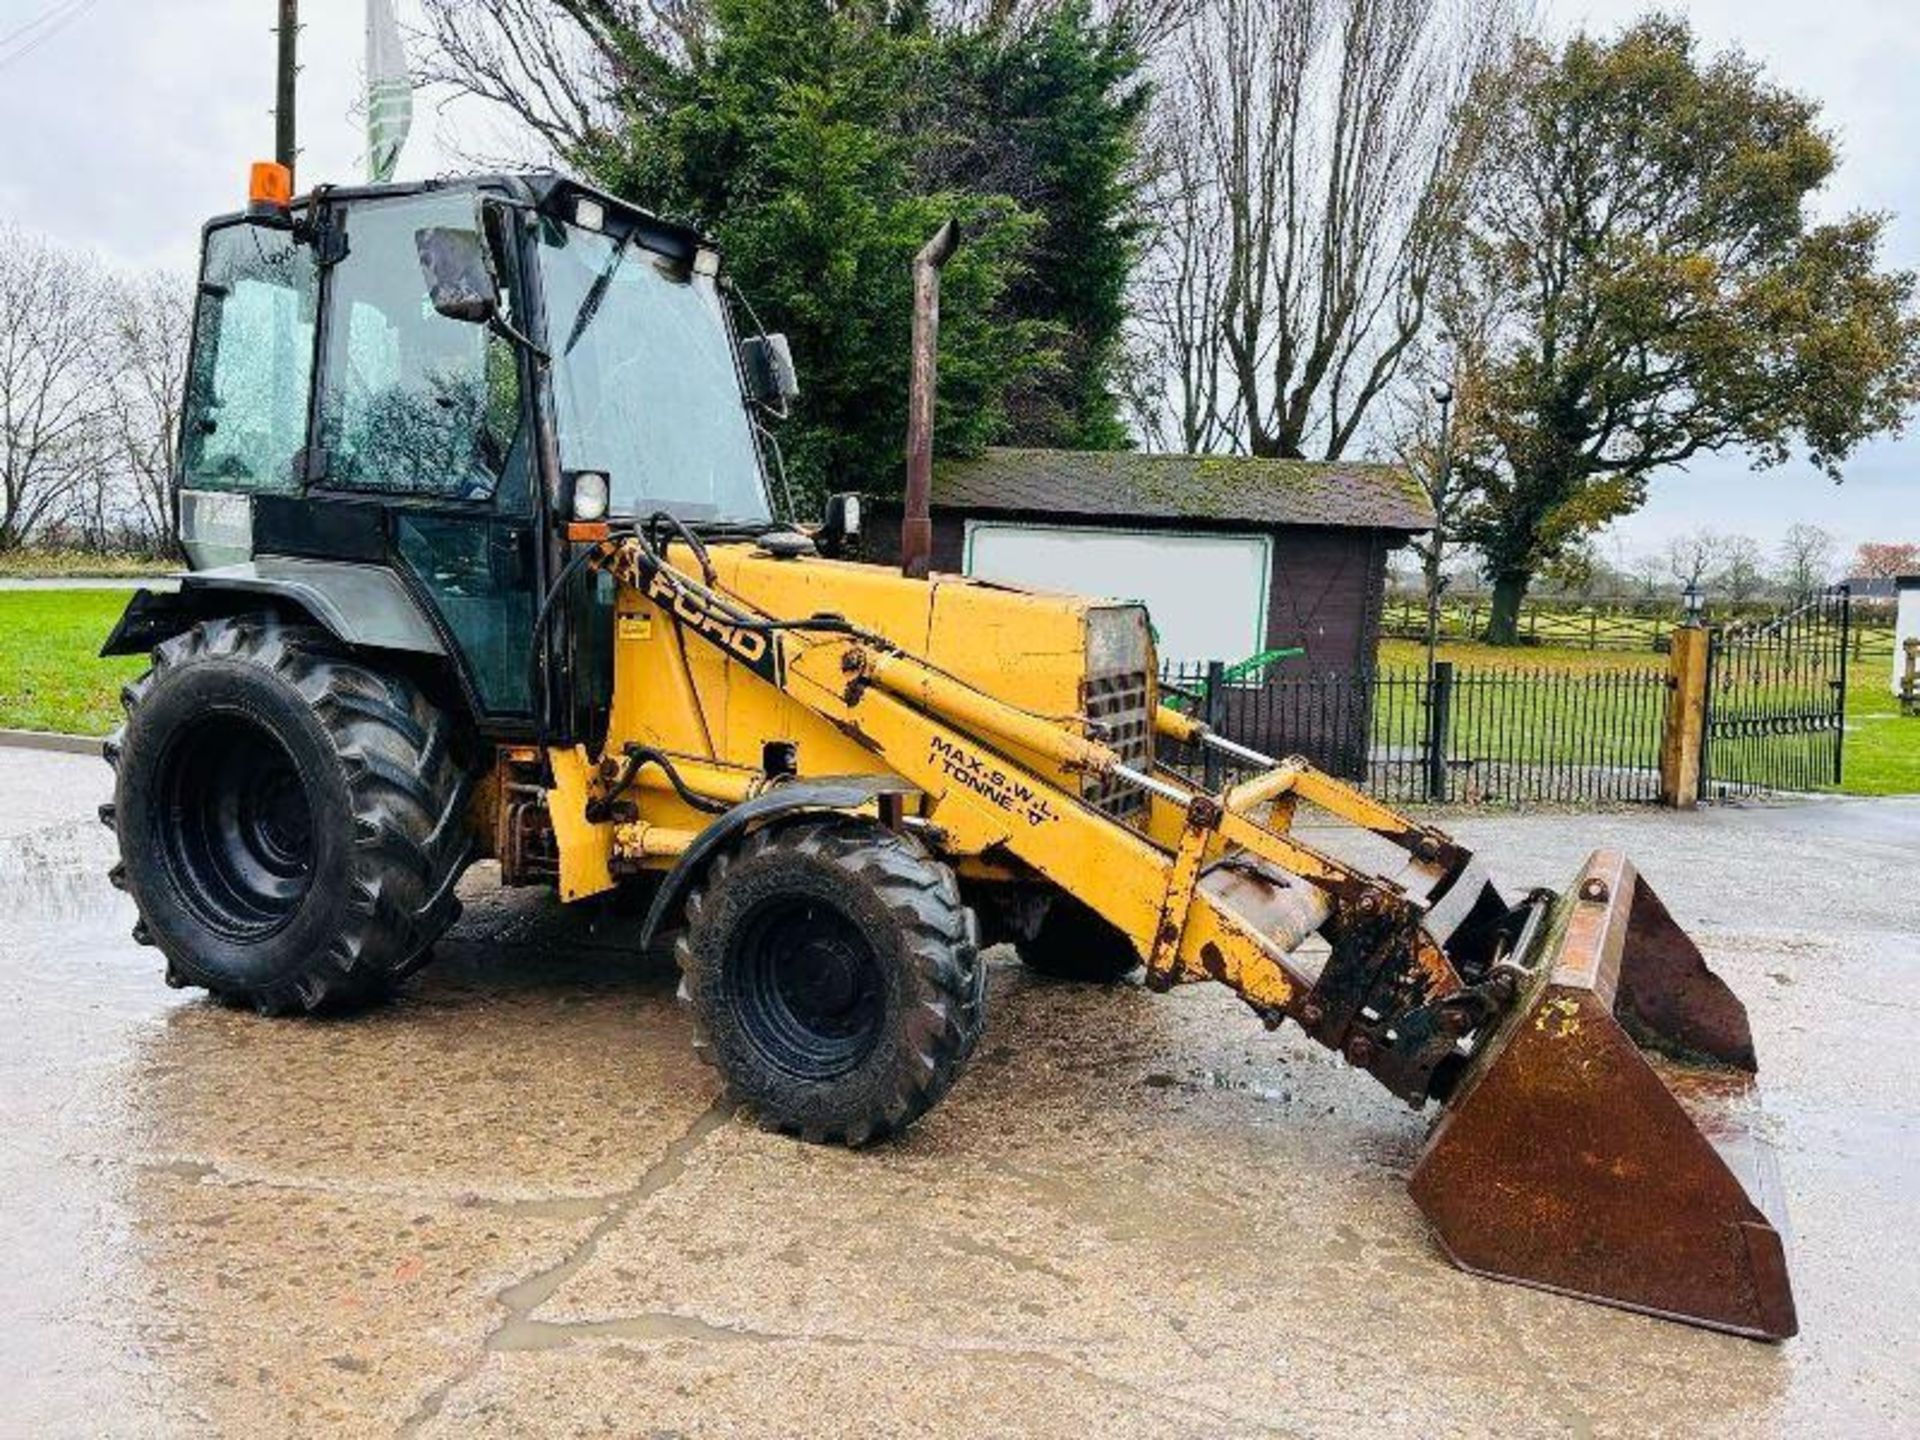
[(291, 820), (834, 976)]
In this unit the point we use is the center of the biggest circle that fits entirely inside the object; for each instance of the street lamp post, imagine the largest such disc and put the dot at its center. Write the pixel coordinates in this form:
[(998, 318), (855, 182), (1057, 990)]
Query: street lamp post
[(1693, 604)]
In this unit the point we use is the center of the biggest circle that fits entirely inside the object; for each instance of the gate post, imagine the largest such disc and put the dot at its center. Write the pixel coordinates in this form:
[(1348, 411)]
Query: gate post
[(1684, 736), (1214, 713), (1439, 712)]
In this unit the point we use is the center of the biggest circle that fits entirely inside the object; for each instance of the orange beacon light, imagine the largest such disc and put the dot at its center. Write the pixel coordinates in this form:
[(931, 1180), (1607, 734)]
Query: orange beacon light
[(269, 189)]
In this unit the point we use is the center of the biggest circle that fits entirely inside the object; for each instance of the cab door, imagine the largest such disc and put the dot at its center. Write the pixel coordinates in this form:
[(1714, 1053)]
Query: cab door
[(422, 441)]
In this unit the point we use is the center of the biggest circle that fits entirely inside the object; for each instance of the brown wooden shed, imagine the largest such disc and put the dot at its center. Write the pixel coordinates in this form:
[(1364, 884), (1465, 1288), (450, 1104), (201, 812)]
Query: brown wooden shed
[(1232, 555)]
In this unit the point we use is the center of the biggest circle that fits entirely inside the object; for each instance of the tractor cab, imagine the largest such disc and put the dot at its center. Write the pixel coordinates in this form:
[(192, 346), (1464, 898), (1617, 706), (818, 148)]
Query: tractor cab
[(400, 399)]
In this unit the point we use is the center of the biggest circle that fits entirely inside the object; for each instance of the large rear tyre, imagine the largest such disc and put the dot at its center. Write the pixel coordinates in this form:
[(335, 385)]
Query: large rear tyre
[(291, 820), (1073, 942), (834, 976)]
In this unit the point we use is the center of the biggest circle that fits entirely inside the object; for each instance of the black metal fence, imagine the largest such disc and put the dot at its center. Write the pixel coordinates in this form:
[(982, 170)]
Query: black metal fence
[(1777, 700), (1465, 735)]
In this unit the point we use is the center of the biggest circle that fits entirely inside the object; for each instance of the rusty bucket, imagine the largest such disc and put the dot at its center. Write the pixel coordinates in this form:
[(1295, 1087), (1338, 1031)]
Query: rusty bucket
[(1603, 1142)]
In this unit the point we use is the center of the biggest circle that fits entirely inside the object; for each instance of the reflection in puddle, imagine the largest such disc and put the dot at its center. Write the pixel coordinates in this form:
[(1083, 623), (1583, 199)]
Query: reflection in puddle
[(73, 983), (58, 875)]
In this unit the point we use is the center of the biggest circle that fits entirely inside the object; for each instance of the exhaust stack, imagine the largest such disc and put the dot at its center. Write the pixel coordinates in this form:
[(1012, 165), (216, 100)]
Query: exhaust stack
[(916, 518)]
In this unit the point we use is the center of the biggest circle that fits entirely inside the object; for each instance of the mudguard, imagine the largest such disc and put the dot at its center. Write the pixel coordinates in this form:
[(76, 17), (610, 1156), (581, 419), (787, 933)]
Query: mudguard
[(359, 605), (846, 792)]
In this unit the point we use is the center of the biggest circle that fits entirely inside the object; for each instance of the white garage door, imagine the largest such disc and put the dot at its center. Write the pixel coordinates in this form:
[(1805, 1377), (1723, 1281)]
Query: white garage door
[(1206, 594)]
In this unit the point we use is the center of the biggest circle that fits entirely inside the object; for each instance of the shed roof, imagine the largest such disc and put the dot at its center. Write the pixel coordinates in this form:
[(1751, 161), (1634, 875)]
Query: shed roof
[(1127, 484)]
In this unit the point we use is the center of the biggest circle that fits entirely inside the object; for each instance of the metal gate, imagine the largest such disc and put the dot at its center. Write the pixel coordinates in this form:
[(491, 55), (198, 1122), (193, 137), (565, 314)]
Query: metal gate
[(1777, 700)]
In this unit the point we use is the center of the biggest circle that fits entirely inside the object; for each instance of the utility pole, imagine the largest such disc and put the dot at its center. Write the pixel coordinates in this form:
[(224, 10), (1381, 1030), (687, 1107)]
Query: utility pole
[(284, 148), (1439, 675), (1443, 467)]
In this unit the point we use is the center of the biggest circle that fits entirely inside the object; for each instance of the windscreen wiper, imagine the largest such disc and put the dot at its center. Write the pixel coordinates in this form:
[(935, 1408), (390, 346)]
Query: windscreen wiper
[(590, 306)]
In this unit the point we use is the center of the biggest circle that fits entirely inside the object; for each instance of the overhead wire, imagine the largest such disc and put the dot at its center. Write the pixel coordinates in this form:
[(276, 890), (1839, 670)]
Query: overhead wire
[(49, 23), (37, 21)]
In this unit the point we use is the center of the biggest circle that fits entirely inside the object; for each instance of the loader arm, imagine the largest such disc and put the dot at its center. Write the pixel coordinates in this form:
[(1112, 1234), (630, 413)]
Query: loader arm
[(1528, 1021), (1232, 901)]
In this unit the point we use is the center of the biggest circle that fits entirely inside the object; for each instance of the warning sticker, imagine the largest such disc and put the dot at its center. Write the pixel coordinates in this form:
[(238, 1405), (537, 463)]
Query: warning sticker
[(977, 772)]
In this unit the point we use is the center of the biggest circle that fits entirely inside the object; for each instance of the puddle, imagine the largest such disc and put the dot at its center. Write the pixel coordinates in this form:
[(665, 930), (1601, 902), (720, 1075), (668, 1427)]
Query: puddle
[(57, 874)]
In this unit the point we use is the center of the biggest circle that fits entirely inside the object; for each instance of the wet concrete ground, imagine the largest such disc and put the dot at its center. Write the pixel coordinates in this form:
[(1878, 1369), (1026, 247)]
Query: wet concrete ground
[(510, 1204)]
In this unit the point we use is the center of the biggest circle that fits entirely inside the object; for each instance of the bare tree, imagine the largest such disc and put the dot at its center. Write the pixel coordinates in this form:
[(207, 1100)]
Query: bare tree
[(1690, 557), (1739, 572), (151, 316), (561, 69), (1318, 157), (1189, 400), (1805, 558), (50, 309), (1649, 572), (1440, 443), (1150, 21)]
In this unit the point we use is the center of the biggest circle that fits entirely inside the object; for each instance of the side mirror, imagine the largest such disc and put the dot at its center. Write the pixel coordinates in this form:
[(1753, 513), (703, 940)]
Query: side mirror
[(771, 378), (458, 273), (839, 531)]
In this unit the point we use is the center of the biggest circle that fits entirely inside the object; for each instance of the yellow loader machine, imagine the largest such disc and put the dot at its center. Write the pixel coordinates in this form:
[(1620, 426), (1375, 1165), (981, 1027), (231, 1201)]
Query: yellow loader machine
[(474, 484)]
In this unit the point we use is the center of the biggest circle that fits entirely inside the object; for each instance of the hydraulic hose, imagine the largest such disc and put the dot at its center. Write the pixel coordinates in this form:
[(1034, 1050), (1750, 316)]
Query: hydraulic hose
[(638, 758), (541, 619)]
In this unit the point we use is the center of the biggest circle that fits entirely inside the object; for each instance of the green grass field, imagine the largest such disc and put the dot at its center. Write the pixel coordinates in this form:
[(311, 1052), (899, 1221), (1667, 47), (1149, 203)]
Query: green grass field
[(1550, 624), (1883, 746), (1573, 710), (50, 675), (1412, 655), (52, 679)]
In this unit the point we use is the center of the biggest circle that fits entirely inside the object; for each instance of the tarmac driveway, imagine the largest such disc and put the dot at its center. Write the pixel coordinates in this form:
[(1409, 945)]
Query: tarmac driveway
[(511, 1204)]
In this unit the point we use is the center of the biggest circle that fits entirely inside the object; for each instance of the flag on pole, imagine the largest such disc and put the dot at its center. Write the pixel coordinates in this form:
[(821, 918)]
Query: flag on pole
[(389, 91)]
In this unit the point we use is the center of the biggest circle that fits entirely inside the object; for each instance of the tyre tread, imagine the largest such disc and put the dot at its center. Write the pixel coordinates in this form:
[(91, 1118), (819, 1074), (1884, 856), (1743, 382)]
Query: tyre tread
[(941, 935), (408, 795)]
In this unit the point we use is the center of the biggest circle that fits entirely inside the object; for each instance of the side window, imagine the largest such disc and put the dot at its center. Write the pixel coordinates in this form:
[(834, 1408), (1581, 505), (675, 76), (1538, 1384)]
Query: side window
[(412, 403), (251, 373)]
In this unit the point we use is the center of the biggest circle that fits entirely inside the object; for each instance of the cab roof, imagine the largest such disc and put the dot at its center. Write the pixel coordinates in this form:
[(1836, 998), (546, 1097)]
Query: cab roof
[(546, 191)]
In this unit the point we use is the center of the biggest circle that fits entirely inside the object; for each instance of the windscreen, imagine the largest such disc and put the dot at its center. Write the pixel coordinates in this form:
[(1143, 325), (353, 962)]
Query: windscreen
[(645, 383)]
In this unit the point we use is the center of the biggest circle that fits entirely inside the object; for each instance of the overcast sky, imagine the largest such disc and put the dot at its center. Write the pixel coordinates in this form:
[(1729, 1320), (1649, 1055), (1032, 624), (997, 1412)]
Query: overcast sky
[(128, 122)]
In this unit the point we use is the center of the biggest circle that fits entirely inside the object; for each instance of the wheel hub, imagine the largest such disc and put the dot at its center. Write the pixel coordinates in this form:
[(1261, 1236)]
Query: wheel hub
[(811, 989), (238, 837)]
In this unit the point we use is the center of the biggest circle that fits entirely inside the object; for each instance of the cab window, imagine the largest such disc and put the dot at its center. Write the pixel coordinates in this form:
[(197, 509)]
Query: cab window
[(412, 403), (250, 377)]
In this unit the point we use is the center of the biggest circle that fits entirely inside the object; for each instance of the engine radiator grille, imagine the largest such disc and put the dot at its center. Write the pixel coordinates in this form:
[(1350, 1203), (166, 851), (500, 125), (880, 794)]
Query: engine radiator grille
[(1116, 707)]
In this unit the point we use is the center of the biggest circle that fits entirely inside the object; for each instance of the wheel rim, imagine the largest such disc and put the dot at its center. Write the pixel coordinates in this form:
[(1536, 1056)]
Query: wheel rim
[(809, 987), (238, 837)]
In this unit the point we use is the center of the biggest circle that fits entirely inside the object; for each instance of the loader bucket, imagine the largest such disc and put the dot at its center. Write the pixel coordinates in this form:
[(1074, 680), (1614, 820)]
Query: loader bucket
[(1602, 1143)]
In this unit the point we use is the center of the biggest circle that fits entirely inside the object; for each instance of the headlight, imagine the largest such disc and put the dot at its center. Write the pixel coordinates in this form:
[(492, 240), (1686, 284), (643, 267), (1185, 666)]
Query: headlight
[(590, 495)]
